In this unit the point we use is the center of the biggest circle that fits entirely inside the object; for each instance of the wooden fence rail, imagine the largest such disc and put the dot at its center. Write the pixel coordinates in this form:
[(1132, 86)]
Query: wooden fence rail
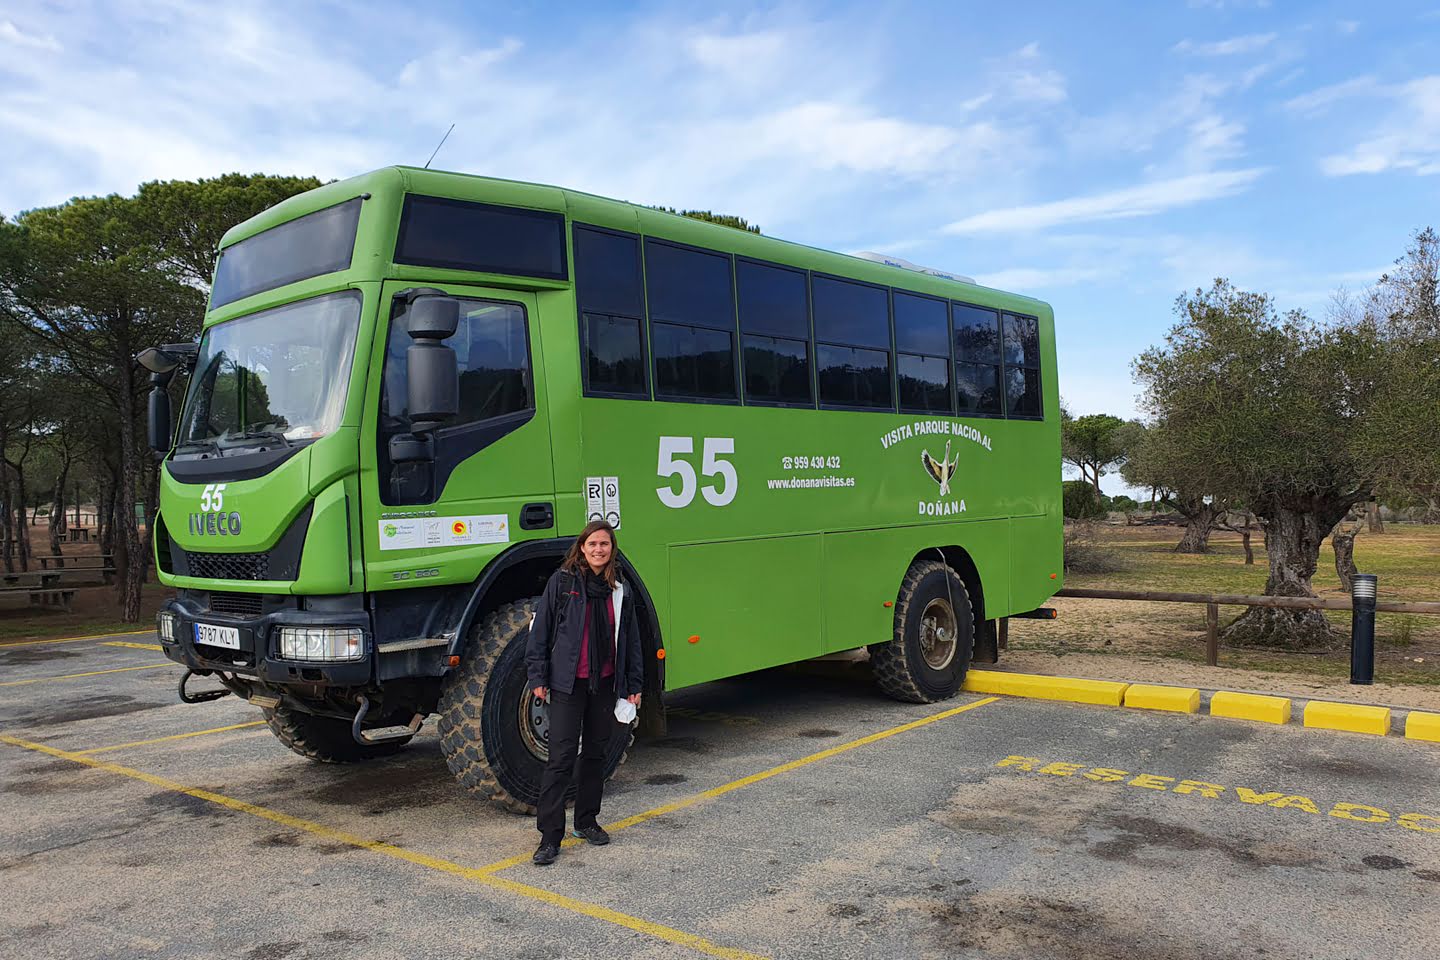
[(1213, 602)]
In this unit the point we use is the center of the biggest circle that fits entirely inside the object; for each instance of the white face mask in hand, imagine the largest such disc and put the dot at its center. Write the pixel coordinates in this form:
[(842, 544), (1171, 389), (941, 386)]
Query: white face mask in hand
[(624, 710)]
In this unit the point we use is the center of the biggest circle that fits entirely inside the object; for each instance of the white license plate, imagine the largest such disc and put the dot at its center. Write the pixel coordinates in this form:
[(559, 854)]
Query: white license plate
[(228, 637)]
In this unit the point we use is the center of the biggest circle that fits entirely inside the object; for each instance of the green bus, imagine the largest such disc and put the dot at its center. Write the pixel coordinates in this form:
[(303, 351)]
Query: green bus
[(413, 388)]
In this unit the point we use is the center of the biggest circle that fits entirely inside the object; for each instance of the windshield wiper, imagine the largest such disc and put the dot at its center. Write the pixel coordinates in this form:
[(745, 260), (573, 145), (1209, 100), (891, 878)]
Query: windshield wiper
[(205, 445), (255, 435)]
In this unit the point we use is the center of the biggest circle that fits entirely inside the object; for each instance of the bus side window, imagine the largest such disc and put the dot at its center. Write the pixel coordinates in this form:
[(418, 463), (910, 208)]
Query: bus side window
[(977, 360), (1022, 366), (775, 328), (852, 343), (692, 322), (611, 304), (922, 345)]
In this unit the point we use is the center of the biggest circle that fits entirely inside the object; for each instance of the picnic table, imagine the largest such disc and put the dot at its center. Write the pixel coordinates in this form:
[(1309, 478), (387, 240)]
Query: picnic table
[(43, 588), (80, 534), (104, 562)]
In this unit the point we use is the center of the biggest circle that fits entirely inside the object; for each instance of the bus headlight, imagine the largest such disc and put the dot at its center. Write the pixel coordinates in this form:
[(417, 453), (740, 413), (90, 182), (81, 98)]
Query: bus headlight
[(165, 625), (322, 643)]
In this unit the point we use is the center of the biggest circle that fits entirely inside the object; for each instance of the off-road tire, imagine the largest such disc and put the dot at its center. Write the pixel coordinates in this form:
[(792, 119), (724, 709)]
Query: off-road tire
[(899, 666), (324, 739), (479, 707)]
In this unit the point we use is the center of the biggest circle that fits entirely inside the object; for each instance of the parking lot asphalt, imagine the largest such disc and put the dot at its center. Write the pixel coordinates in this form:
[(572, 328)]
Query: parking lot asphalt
[(792, 813)]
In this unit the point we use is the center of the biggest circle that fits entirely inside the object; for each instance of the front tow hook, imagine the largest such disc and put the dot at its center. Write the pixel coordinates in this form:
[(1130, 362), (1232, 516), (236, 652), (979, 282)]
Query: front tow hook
[(187, 697)]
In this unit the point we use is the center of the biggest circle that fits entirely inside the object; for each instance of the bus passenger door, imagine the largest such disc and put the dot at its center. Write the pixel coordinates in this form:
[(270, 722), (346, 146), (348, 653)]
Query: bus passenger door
[(490, 482)]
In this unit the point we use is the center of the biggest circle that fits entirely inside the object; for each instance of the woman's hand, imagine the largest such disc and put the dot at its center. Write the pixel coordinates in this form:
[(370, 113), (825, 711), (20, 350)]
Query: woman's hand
[(635, 699), (542, 692)]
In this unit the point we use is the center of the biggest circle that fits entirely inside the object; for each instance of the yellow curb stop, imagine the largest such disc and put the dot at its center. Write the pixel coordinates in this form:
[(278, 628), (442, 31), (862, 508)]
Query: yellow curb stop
[(1102, 692), (1423, 726), (1250, 706), (1351, 717), (1146, 696)]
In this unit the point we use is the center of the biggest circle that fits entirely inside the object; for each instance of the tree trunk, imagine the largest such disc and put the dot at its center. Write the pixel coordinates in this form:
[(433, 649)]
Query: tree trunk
[(57, 515), (1293, 535), (22, 525), (1344, 544), (133, 576), (7, 527), (1372, 514), (1200, 520), (152, 503), (104, 513)]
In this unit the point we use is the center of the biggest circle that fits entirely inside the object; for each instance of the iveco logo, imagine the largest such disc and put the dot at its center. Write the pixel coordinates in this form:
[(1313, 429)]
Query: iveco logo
[(215, 524)]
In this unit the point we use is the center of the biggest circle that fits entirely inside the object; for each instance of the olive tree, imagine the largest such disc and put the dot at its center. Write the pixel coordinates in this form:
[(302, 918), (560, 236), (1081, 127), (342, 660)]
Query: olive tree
[(1271, 411)]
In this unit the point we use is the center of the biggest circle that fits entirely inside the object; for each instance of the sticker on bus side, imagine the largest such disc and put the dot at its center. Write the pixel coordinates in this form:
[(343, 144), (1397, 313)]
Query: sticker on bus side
[(602, 500), (411, 534)]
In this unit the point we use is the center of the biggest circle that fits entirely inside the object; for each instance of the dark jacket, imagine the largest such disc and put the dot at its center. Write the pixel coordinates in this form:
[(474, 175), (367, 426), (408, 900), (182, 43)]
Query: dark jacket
[(552, 654)]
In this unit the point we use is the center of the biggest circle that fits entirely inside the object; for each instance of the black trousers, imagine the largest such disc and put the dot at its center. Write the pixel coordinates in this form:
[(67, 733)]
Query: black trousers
[(570, 713)]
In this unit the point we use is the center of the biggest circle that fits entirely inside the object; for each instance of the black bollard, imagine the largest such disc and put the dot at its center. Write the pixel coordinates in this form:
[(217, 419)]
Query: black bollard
[(1362, 628)]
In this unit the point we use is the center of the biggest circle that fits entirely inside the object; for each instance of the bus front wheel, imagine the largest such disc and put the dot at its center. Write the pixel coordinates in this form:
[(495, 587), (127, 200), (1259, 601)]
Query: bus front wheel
[(493, 731), (934, 632)]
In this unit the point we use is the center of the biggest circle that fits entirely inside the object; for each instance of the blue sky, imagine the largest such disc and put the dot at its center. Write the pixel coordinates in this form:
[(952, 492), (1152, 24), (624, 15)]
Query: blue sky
[(1103, 157)]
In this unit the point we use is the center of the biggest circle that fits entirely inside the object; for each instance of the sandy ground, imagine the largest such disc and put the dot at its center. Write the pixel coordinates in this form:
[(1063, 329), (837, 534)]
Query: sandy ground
[(1168, 670)]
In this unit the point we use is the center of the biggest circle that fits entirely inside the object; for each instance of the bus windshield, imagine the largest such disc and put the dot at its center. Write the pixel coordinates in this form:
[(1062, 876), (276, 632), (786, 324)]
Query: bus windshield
[(278, 376)]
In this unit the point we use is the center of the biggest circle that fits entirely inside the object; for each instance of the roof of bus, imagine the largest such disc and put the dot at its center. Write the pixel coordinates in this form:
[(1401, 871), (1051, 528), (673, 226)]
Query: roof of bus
[(618, 215)]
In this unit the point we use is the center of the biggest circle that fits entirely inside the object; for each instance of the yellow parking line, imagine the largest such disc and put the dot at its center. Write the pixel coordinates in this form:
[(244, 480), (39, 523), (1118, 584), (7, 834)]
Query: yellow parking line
[(131, 644), (690, 801), (92, 673), (659, 931), (97, 636), (178, 736)]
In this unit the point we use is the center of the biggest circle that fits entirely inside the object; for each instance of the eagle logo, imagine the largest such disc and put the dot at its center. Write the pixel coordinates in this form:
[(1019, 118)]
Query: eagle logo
[(943, 469)]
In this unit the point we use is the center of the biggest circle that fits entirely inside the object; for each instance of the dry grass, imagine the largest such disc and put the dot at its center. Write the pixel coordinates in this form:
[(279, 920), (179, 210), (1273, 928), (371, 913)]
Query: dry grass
[(1406, 559)]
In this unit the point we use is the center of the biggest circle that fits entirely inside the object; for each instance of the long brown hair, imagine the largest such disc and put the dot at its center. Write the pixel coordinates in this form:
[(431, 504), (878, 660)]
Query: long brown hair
[(575, 560)]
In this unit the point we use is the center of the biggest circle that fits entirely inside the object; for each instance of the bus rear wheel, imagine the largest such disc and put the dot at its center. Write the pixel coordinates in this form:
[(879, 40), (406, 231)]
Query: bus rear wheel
[(934, 633), (494, 732)]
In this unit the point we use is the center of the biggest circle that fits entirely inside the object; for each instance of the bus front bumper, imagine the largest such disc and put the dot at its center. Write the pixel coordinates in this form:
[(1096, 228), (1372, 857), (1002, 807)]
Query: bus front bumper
[(203, 640)]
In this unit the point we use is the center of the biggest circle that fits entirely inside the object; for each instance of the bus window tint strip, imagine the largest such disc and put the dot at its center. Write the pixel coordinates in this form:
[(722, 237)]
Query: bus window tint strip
[(777, 371), (1022, 341), (607, 273), (977, 389), (689, 286), (977, 333), (855, 314), (614, 355), (317, 243), (1022, 392), (773, 300), (854, 377), (921, 325), (924, 383), (461, 235), (693, 362)]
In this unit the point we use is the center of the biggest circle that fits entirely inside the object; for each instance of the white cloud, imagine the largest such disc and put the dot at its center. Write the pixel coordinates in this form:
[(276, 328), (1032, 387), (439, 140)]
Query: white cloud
[(1142, 200), (12, 34), (1322, 97), (737, 53), (1250, 43), (1347, 27), (1407, 138)]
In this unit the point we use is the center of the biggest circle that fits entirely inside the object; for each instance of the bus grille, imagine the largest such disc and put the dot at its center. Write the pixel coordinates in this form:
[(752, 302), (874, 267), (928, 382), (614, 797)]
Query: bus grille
[(230, 566), (237, 604)]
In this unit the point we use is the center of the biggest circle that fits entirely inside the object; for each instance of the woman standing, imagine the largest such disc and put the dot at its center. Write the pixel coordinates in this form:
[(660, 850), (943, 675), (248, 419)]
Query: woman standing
[(583, 654)]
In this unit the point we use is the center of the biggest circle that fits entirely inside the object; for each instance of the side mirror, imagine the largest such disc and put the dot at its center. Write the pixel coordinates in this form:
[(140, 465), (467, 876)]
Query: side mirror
[(158, 419), (433, 390)]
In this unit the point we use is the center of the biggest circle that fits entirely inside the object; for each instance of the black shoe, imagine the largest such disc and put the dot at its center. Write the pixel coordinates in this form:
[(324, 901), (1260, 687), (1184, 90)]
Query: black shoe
[(545, 854), (593, 834)]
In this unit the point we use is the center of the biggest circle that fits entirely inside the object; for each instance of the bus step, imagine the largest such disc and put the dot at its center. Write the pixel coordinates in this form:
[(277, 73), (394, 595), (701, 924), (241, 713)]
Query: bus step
[(187, 697), (368, 737)]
